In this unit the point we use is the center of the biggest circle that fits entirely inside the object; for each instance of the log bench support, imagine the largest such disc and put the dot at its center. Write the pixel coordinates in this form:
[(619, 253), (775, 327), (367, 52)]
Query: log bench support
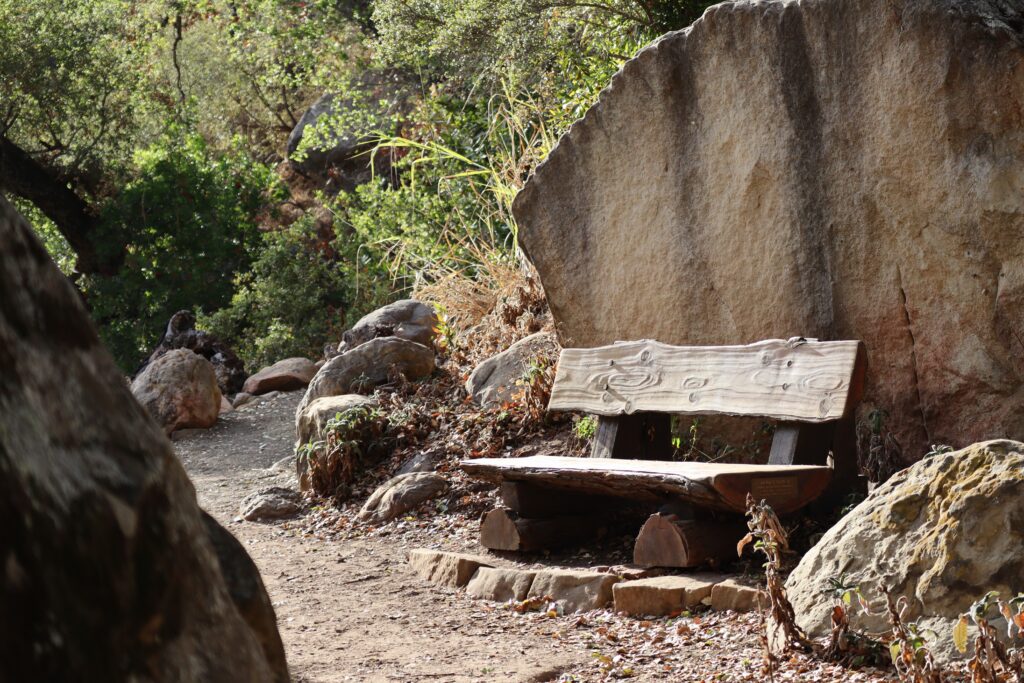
[(666, 540)]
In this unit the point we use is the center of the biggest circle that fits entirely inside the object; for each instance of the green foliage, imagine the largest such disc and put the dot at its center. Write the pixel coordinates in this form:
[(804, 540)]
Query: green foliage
[(585, 428), (299, 294), (349, 440), (191, 222)]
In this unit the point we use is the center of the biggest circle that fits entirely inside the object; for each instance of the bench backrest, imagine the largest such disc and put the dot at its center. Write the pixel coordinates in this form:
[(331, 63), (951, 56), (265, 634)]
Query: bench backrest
[(795, 381)]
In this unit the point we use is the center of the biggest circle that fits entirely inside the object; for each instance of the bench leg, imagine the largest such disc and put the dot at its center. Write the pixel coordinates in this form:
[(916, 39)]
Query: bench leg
[(645, 436), (668, 541), (503, 529)]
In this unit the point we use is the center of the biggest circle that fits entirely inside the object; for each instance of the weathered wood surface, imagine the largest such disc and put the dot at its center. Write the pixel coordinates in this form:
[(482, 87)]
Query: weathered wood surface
[(721, 486), (504, 529), (802, 381), (668, 541)]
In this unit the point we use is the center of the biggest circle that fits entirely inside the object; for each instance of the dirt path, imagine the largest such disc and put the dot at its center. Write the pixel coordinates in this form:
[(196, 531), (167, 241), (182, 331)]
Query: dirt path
[(352, 610)]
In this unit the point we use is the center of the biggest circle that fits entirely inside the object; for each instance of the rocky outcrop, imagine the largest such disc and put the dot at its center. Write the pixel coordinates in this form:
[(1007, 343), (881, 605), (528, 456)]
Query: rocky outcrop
[(943, 533), (111, 571), (400, 494), (284, 375), (181, 333), (369, 365), (405, 319), (835, 169), (493, 381), (179, 389)]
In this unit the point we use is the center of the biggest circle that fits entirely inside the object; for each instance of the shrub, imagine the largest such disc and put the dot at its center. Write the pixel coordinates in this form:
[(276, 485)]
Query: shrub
[(191, 221)]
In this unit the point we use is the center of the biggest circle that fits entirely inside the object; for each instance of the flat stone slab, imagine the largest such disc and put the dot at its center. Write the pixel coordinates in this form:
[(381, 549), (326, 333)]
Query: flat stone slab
[(500, 584), (444, 568), (661, 595), (578, 591), (731, 594)]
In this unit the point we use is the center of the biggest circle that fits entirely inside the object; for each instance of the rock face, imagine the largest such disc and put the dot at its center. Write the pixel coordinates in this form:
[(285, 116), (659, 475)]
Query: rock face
[(368, 365), (405, 319), (179, 389), (494, 380), (284, 375), (838, 169), (112, 572), (400, 494), (942, 533), (181, 333)]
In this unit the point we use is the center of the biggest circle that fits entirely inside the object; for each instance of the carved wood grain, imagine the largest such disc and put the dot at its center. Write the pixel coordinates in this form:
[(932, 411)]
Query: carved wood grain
[(803, 381)]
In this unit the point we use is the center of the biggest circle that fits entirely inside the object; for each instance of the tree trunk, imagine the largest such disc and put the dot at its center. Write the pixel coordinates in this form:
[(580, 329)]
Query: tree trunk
[(25, 177)]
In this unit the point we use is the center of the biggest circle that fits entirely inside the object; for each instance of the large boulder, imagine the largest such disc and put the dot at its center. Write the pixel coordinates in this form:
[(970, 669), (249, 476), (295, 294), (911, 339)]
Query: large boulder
[(181, 333), (311, 420), (369, 365), (942, 532), (179, 389), (493, 381), (111, 570), (284, 375), (841, 169), (406, 319)]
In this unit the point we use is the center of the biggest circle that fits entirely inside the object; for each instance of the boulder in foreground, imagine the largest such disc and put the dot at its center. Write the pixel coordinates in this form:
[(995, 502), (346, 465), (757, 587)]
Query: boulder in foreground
[(942, 533), (112, 572)]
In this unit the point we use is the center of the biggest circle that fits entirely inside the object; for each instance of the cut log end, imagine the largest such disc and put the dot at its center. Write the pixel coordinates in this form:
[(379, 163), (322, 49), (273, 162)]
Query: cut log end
[(503, 529), (667, 541)]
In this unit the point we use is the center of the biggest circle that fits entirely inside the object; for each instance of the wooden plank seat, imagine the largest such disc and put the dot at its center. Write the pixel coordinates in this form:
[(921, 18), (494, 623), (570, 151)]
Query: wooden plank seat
[(719, 486), (810, 388)]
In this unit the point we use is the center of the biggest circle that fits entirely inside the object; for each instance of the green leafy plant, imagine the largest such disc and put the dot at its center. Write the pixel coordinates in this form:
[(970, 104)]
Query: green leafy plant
[(909, 646), (349, 440), (992, 662)]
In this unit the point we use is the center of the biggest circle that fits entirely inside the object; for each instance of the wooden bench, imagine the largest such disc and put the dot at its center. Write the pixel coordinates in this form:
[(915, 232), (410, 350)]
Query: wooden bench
[(809, 388)]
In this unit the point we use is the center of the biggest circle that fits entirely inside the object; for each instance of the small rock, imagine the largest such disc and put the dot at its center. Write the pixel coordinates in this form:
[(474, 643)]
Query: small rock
[(179, 389), (241, 399), (500, 584), (494, 380), (273, 502), (730, 594), (225, 405), (579, 591), (425, 461), (406, 319), (660, 595), (285, 375), (401, 493), (447, 569)]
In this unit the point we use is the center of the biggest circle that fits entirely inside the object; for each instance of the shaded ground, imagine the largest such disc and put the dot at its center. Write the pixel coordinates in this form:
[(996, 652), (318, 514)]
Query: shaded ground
[(350, 609)]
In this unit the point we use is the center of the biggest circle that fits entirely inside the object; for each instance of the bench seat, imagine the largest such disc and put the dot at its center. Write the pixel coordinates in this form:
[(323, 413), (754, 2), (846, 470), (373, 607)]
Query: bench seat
[(721, 486)]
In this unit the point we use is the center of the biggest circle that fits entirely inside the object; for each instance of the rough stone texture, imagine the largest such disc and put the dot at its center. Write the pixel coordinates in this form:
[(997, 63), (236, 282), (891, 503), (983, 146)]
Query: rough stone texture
[(500, 584), (179, 389), (284, 375), (447, 569), (112, 572), (942, 533), (310, 423), (273, 502), (660, 595), (311, 420), (578, 591), (241, 399), (405, 319), (493, 381), (368, 365), (225, 405), (738, 597), (181, 333), (424, 461), (834, 169), (401, 493)]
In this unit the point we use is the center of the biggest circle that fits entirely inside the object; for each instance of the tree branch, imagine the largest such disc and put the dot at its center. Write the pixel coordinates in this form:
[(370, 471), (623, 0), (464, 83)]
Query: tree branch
[(25, 177)]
